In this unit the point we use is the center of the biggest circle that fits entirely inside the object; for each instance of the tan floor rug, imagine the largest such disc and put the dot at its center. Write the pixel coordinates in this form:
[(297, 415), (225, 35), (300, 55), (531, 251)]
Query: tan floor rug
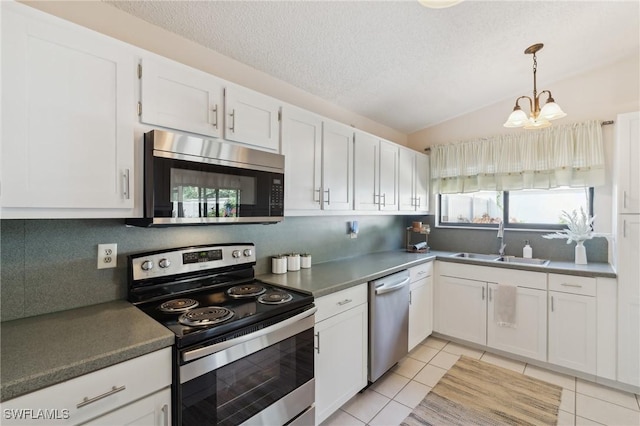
[(474, 392)]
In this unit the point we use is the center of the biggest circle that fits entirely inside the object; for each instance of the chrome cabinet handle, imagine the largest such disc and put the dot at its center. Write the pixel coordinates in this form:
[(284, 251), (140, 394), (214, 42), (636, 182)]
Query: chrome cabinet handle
[(490, 294), (125, 184), (624, 199), (165, 414), (87, 400), (419, 202), (314, 198), (384, 198), (624, 229), (328, 191), (551, 303), (214, 110), (233, 121), (344, 302), (482, 293), (571, 285), (317, 348)]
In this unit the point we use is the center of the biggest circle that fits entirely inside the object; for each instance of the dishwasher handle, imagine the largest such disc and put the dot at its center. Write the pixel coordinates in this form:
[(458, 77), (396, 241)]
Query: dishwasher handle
[(383, 289)]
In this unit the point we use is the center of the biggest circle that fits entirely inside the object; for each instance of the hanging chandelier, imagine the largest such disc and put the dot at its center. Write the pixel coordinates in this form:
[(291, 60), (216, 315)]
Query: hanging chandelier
[(539, 118)]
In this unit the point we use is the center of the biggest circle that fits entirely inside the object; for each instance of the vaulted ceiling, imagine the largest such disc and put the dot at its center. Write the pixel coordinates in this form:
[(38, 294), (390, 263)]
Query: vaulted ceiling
[(399, 63)]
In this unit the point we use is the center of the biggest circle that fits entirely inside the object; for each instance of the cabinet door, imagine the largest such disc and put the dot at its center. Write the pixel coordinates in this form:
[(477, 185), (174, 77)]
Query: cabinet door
[(627, 160), (302, 149), (251, 118), (462, 309), (420, 311), (153, 410), (629, 299), (529, 337), (388, 172), (68, 114), (179, 97), (341, 359), (366, 172), (422, 182), (337, 166), (406, 180), (572, 331)]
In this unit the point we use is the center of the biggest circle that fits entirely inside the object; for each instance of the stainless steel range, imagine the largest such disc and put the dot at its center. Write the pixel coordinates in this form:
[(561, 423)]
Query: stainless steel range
[(243, 352)]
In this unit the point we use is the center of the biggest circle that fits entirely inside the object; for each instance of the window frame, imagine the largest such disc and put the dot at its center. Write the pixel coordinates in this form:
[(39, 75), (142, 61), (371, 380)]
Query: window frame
[(505, 217)]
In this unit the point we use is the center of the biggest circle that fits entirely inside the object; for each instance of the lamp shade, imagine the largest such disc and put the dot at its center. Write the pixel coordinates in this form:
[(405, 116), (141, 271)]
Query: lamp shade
[(518, 118), (551, 111)]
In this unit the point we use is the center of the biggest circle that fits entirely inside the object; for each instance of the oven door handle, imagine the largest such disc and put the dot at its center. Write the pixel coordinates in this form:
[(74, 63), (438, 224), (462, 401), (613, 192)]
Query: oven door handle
[(208, 350)]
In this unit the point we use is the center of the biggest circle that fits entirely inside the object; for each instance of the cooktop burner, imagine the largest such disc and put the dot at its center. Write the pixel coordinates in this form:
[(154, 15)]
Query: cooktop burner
[(178, 305), (202, 317), (275, 297), (246, 290)]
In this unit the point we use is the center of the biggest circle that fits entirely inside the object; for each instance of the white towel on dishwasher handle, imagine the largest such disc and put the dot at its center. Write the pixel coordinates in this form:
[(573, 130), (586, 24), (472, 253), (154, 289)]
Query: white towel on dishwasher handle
[(504, 307)]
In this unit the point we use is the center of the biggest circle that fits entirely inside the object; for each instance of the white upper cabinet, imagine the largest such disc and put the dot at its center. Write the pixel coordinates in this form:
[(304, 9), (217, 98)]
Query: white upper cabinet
[(251, 118), (180, 97), (627, 160), (337, 166), (302, 150), (376, 173), (68, 111), (414, 181)]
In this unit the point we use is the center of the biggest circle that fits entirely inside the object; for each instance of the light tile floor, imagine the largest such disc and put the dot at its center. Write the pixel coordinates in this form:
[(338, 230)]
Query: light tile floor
[(388, 401)]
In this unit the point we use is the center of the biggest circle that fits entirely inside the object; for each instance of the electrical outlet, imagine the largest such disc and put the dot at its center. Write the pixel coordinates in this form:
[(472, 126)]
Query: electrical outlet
[(107, 256)]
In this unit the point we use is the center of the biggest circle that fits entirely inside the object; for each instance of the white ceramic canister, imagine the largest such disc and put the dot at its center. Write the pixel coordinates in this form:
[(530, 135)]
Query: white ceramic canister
[(278, 264), (293, 262), (305, 260)]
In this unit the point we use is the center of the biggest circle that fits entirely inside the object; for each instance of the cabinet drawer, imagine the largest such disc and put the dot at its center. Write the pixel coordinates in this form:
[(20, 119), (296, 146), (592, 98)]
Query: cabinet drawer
[(421, 271), (340, 301), (572, 284), (105, 390)]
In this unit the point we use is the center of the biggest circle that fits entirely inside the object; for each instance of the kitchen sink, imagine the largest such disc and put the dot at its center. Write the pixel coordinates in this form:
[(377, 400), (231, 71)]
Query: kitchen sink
[(476, 256), (523, 260), (498, 258)]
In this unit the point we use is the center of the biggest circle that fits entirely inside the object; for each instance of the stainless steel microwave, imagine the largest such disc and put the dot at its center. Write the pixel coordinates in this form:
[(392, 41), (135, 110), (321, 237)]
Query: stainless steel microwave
[(194, 181)]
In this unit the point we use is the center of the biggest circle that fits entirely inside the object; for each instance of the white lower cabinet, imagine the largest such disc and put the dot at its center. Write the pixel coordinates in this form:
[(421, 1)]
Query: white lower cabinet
[(341, 348), (529, 335), (572, 322), (462, 309), (466, 306), (133, 392), (420, 303), (152, 410)]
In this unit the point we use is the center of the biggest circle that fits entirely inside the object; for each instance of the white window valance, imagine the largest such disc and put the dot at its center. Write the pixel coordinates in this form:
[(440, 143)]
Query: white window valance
[(567, 155)]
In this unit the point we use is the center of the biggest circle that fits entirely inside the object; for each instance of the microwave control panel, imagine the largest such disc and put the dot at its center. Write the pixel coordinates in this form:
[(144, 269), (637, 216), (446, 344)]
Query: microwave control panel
[(277, 196)]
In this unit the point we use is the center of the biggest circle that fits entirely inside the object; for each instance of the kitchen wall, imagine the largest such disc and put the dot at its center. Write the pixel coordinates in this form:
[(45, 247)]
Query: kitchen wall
[(50, 265), (113, 22)]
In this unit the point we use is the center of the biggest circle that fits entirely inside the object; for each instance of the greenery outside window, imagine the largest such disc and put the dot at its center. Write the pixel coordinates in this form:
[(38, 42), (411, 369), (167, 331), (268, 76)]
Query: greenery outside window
[(524, 209)]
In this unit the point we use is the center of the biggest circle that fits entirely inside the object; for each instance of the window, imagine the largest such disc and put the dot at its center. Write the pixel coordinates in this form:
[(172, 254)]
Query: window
[(526, 209)]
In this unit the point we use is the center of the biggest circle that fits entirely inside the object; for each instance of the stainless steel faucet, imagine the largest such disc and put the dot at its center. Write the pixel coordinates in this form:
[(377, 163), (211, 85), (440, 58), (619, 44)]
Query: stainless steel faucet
[(501, 238)]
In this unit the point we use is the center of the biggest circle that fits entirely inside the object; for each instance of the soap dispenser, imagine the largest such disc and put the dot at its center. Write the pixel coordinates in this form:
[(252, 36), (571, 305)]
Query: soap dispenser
[(527, 251)]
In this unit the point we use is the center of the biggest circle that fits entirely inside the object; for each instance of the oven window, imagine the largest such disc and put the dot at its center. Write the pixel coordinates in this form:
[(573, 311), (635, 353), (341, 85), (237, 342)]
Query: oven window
[(236, 392)]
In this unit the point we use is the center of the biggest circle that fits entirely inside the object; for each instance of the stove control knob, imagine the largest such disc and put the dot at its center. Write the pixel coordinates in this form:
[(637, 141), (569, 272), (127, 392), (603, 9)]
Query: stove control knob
[(147, 265), (247, 252), (164, 263), (236, 253)]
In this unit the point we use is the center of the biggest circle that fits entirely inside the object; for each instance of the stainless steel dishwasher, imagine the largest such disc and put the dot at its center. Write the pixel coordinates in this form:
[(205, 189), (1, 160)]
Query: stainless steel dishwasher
[(388, 322)]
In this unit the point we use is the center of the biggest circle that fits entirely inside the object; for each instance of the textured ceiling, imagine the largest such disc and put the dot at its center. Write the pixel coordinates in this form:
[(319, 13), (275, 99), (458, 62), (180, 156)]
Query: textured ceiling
[(399, 63)]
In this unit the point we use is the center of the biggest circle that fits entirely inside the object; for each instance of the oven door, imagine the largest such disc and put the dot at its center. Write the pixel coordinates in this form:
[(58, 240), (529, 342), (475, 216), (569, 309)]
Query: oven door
[(264, 377)]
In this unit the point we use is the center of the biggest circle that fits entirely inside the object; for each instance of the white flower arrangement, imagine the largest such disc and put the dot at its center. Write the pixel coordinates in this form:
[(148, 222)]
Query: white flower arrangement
[(579, 227)]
